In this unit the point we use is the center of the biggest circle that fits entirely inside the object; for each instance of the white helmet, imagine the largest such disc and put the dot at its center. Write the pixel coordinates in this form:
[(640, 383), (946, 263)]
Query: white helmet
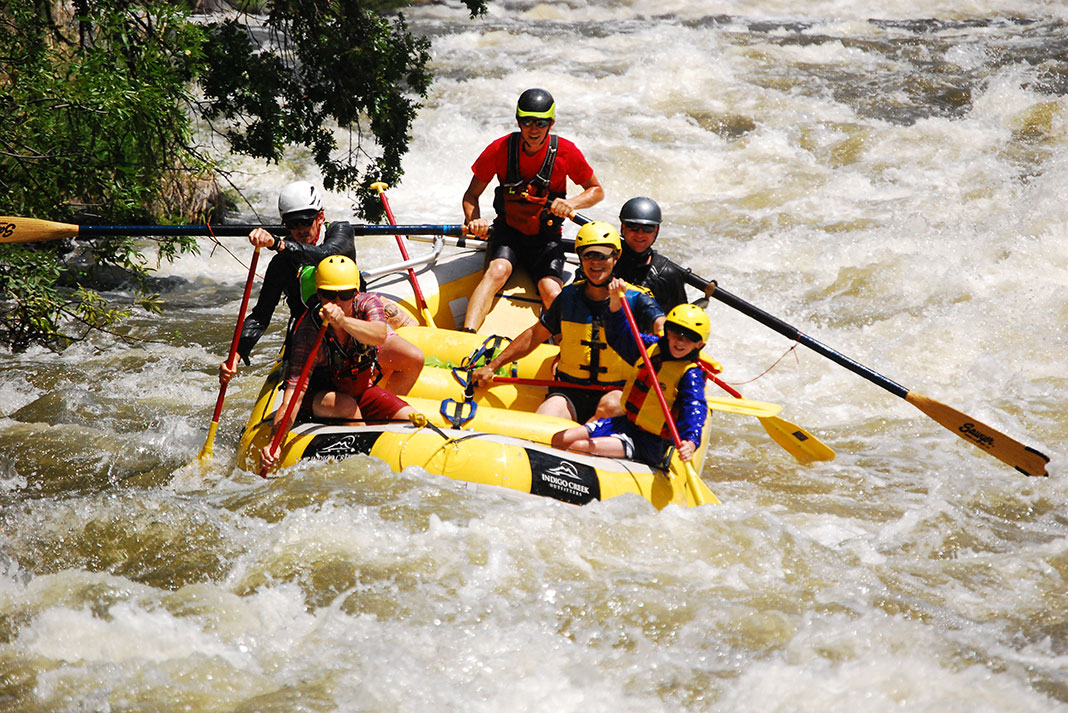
[(299, 197)]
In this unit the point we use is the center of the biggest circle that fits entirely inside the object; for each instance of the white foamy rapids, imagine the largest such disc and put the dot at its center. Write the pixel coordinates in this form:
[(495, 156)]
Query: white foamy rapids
[(890, 184)]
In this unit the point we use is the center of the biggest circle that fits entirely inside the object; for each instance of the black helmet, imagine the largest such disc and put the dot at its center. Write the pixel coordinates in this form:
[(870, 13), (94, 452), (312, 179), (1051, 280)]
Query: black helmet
[(641, 210), (536, 103)]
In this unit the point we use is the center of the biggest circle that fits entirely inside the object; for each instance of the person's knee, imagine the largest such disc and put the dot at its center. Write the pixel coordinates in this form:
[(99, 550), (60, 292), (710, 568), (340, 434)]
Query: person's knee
[(549, 288), (498, 271), (400, 354), (556, 406)]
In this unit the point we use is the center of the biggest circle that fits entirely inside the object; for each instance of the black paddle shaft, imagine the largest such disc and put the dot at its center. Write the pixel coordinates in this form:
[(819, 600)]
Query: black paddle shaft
[(96, 231), (793, 333), (773, 322)]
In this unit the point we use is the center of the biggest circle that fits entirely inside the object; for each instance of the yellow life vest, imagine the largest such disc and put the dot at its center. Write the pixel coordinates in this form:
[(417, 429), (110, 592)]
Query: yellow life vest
[(640, 403), (584, 352)]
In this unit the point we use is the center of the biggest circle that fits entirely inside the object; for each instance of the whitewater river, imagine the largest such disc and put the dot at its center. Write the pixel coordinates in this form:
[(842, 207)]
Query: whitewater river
[(894, 187)]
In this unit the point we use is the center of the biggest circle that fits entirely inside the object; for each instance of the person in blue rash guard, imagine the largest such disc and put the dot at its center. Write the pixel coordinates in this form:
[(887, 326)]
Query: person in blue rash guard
[(642, 432)]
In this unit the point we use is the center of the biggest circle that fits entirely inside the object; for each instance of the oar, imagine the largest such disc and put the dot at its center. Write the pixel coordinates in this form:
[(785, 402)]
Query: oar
[(298, 395), (798, 442), (692, 481), (25, 230), (419, 299), (1025, 459), (231, 360), (745, 407)]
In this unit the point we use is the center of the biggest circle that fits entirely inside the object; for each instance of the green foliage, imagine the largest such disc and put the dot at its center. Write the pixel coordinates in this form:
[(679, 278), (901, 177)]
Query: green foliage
[(96, 121), (335, 62), (93, 125)]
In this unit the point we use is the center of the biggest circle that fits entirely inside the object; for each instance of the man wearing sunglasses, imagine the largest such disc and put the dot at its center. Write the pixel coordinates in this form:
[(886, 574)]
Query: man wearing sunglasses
[(639, 264), (577, 315), (532, 167), (310, 241)]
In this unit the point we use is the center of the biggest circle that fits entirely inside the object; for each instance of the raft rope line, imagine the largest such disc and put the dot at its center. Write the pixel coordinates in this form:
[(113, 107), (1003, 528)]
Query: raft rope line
[(219, 244), (761, 375)]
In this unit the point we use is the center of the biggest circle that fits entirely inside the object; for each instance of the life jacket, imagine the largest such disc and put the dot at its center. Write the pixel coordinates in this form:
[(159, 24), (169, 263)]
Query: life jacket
[(352, 369), (585, 356), (640, 403), (523, 202)]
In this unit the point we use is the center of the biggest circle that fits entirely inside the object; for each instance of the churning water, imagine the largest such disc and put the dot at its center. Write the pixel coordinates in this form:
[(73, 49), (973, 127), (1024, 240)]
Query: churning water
[(888, 176)]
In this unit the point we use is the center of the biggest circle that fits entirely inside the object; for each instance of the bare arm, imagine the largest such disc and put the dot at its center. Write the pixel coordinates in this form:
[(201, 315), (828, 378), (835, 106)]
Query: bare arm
[(364, 331), (476, 225), (592, 194), (519, 347)]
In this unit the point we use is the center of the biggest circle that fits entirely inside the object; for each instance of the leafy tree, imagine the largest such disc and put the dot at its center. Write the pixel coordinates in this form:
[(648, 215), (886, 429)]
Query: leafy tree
[(96, 117)]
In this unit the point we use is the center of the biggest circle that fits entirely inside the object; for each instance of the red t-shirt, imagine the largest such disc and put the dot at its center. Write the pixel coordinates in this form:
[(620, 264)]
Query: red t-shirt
[(570, 163)]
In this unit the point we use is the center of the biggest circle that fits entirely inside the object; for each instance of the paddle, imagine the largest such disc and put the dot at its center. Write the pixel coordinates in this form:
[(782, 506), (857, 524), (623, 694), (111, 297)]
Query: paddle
[(691, 476), (1023, 458), (25, 230), (419, 299), (798, 442), (298, 394), (231, 360), (745, 407)]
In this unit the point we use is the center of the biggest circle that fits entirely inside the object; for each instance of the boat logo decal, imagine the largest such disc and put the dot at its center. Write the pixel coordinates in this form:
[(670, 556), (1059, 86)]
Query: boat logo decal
[(339, 445), (556, 477)]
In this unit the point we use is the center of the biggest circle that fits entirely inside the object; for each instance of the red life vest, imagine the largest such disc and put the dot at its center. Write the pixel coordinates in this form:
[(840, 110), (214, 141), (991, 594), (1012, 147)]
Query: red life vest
[(640, 404), (352, 370), (521, 202)]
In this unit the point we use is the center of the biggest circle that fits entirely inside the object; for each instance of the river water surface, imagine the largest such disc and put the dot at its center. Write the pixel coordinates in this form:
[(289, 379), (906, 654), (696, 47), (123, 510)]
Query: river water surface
[(888, 176)]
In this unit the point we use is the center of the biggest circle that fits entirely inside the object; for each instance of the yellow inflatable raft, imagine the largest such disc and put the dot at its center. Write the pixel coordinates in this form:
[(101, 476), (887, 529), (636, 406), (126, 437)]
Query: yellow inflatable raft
[(492, 439)]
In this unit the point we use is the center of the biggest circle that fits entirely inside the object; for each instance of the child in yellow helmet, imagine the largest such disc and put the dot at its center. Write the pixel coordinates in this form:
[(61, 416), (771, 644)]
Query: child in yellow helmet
[(642, 432)]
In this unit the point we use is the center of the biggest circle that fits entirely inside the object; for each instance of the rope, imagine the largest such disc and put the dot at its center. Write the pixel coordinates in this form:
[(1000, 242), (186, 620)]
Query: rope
[(218, 244), (767, 371)]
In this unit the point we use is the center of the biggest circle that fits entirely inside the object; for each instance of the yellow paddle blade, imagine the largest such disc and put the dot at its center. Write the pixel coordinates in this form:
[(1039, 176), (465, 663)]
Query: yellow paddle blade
[(798, 442), (207, 451), (699, 492), (745, 407), (1008, 450), (25, 230)]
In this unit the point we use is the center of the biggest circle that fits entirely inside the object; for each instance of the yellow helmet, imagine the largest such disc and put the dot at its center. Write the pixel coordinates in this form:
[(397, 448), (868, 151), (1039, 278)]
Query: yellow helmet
[(692, 318), (337, 272), (596, 232)]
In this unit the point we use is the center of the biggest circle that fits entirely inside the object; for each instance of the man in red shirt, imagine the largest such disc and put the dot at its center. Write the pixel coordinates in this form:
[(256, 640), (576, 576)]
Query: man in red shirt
[(532, 167)]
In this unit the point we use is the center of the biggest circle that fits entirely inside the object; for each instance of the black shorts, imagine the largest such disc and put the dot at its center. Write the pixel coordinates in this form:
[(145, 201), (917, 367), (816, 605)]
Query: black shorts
[(539, 256), (583, 401)]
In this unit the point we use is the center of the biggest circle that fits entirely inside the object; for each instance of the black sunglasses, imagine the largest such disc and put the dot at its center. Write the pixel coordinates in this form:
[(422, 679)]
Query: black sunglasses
[(531, 121), (293, 223), (340, 295), (683, 332), (640, 227)]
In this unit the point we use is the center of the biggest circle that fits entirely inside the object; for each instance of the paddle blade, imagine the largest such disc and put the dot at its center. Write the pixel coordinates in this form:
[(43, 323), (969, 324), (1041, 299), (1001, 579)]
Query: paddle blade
[(1009, 451), (207, 451), (745, 407), (700, 493), (798, 442), (27, 230)]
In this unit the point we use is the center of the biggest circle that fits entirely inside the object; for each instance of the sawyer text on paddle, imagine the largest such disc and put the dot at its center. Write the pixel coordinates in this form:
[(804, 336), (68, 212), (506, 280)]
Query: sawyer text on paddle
[(973, 434)]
